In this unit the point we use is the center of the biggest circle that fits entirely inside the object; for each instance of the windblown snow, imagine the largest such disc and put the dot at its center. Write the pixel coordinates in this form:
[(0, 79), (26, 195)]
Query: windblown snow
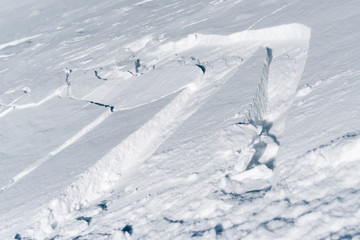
[(217, 119)]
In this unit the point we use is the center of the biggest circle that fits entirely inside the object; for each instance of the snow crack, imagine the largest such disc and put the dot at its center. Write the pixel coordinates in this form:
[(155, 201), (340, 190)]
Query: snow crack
[(103, 105), (173, 221), (203, 69), (98, 77)]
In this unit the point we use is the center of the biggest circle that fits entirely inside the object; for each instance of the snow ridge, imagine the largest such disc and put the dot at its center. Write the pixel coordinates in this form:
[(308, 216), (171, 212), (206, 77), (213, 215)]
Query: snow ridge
[(258, 107), (266, 116)]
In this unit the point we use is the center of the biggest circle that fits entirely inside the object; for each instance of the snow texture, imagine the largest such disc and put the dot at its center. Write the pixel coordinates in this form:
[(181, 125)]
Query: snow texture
[(216, 119)]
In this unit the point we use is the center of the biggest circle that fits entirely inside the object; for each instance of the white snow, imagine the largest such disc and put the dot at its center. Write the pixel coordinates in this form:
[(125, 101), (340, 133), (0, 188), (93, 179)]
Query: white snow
[(179, 119)]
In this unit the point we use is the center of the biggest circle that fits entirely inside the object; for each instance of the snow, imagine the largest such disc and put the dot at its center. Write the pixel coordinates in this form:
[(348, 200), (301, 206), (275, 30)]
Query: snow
[(176, 119), (16, 42), (145, 89)]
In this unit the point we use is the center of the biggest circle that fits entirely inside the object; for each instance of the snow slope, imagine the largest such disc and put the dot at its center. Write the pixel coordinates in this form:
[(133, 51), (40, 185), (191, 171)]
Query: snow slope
[(176, 119)]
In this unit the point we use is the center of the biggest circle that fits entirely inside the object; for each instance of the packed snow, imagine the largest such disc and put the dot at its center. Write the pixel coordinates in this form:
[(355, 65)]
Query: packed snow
[(164, 119)]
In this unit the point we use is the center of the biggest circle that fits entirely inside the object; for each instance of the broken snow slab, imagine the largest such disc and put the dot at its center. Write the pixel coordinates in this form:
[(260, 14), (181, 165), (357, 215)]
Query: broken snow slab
[(230, 98), (137, 90)]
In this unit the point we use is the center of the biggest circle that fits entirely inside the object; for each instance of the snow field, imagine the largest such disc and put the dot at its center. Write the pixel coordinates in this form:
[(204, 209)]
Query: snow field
[(258, 148)]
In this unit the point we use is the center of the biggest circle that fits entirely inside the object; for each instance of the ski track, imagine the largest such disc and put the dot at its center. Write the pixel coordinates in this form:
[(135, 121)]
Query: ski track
[(103, 177)]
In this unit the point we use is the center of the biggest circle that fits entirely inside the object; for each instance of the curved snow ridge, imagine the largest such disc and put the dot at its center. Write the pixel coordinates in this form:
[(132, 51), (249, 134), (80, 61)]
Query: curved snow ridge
[(287, 47), (106, 173), (261, 37)]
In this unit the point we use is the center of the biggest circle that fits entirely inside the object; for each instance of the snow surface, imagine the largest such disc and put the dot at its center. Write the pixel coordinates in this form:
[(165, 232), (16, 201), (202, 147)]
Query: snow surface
[(216, 119)]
